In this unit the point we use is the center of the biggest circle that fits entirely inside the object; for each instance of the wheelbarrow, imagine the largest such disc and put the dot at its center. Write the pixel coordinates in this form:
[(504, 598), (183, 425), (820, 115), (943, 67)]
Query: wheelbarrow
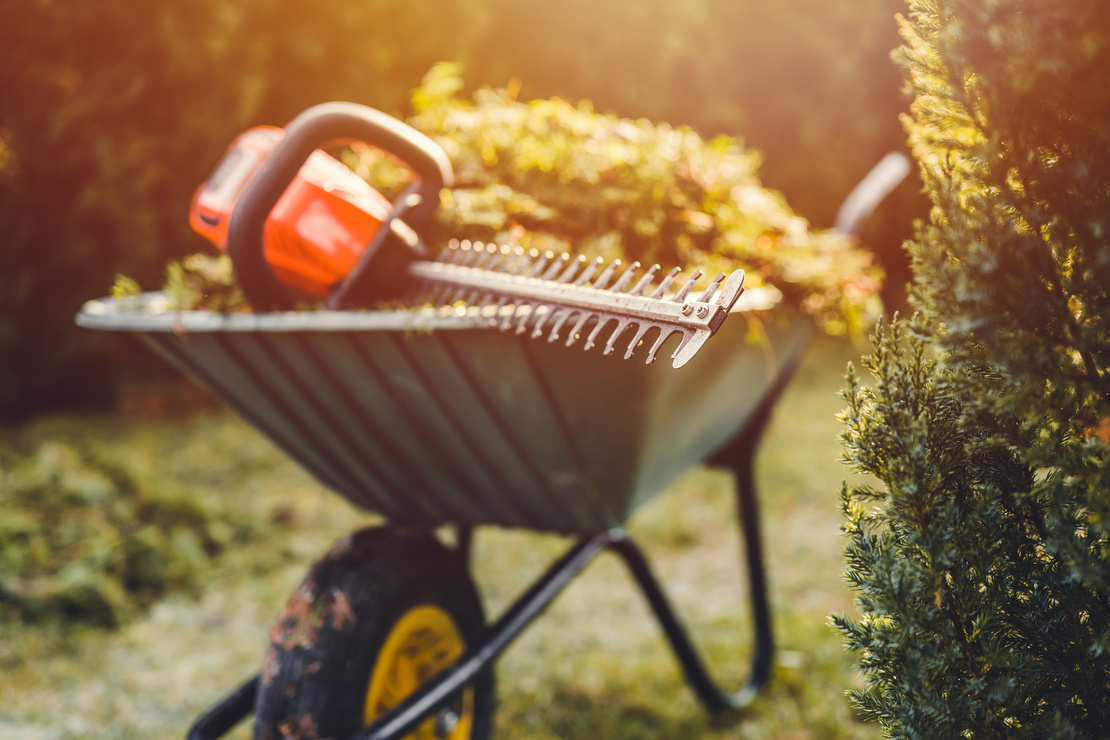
[(429, 415)]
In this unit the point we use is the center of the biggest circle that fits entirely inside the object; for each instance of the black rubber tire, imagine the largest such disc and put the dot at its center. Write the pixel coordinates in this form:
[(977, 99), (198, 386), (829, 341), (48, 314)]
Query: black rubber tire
[(326, 643)]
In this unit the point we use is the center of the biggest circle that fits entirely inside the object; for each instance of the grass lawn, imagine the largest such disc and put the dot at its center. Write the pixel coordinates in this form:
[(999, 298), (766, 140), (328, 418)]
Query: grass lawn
[(594, 666)]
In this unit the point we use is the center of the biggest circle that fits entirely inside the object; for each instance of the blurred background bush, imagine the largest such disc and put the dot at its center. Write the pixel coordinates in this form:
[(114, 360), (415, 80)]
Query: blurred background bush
[(111, 113)]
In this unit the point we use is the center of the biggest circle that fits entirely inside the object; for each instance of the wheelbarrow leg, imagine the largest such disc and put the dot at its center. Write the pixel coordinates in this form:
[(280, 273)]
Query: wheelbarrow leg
[(221, 718), (708, 692), (748, 509), (739, 456)]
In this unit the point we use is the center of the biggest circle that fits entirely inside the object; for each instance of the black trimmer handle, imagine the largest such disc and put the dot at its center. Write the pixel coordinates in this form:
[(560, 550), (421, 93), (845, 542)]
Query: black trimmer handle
[(312, 129)]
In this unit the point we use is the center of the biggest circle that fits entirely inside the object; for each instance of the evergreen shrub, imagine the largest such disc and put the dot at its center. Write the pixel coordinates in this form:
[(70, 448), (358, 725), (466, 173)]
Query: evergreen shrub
[(981, 556)]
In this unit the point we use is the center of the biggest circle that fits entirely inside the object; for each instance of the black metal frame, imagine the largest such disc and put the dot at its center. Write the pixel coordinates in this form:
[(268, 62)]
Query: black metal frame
[(738, 455)]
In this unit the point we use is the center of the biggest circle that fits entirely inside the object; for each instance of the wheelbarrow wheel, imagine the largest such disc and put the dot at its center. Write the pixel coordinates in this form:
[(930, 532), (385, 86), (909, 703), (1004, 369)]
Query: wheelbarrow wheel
[(379, 615)]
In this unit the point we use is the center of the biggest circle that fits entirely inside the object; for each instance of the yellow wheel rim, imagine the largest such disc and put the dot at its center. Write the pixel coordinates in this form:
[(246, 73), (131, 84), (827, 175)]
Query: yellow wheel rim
[(423, 642)]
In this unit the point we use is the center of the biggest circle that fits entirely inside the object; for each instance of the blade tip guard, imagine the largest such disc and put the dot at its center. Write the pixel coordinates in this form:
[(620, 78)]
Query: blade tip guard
[(731, 290)]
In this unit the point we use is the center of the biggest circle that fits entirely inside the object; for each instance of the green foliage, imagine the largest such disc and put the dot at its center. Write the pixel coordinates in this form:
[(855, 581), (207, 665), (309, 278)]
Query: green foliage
[(982, 565), (206, 280), (82, 539), (552, 175)]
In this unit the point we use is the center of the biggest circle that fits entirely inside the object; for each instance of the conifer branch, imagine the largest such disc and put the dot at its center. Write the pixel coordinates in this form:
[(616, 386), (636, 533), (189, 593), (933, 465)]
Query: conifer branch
[(958, 624)]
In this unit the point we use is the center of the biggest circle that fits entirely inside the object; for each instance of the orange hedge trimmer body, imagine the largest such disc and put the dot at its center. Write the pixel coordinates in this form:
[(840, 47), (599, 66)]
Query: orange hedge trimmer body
[(319, 228), (291, 216)]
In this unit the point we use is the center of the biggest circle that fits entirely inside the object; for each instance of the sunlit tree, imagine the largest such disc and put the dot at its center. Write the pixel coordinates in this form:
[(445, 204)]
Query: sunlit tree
[(982, 560)]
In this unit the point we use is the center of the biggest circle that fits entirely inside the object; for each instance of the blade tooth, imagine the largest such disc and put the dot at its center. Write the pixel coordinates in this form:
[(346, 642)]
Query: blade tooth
[(498, 259), (564, 316), (576, 330), (537, 328), (711, 288), (505, 258), (457, 253), (540, 264), (518, 315), (521, 261), (482, 308), (448, 249), (734, 286), (622, 324), (681, 295), (529, 260), (681, 346), (640, 332), (665, 284), (602, 321), (588, 272), (506, 322), (572, 268), (485, 257), (501, 302), (645, 281), (503, 263), (447, 296), (464, 252), (441, 294), (689, 347), (607, 275), (665, 333), (470, 252), (510, 257), (556, 267), (626, 278)]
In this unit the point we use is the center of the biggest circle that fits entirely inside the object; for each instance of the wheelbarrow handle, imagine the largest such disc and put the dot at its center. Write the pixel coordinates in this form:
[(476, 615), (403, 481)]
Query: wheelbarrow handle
[(315, 127)]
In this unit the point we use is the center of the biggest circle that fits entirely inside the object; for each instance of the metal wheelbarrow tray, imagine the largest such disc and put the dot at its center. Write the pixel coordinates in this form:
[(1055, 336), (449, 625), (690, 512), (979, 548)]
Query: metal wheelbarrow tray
[(431, 417), (430, 420)]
